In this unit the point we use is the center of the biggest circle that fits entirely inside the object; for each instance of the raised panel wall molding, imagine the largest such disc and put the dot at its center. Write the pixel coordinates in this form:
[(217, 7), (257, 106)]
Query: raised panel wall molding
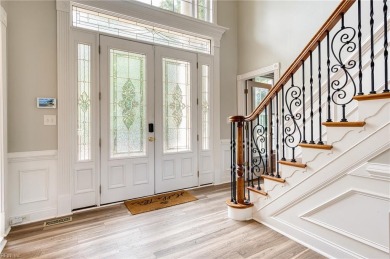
[(28, 192), (32, 177), (308, 216)]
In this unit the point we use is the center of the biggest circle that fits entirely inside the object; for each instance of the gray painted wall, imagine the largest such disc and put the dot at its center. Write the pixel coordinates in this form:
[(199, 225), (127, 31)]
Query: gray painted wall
[(32, 73), (227, 17), (277, 31)]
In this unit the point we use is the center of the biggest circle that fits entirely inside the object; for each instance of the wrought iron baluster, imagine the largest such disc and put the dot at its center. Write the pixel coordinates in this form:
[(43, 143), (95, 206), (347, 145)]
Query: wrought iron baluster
[(251, 168), (319, 95), (328, 70), (341, 96), (232, 163), (266, 143), (277, 135), (385, 45), (247, 153), (311, 101), (293, 132), (360, 47), (258, 151), (271, 171), (372, 56), (303, 103), (283, 139)]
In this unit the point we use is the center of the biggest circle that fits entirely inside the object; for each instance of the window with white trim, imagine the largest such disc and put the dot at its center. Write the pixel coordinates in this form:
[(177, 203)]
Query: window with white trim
[(101, 22), (199, 9)]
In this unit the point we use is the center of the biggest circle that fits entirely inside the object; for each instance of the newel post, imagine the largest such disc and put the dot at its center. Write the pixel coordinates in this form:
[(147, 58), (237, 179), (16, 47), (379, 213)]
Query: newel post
[(238, 207), (240, 163)]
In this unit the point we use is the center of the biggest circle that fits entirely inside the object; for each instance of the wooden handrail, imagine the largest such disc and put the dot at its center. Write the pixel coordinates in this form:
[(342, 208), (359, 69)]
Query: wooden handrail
[(343, 7)]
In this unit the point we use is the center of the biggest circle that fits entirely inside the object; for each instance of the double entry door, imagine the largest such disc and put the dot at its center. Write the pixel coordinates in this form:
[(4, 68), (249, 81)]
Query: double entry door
[(148, 111)]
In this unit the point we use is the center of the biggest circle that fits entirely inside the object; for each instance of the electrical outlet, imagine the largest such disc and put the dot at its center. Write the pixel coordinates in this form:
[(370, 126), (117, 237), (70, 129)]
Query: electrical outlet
[(49, 120), (18, 220)]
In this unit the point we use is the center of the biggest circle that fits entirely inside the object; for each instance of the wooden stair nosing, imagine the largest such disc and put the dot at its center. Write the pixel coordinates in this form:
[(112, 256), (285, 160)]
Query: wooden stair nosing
[(280, 180), (254, 189), (316, 146), (369, 97), (296, 164), (344, 124)]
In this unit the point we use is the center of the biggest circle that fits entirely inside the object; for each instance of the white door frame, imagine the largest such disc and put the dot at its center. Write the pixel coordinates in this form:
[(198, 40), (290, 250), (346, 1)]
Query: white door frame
[(4, 227), (274, 68), (66, 108)]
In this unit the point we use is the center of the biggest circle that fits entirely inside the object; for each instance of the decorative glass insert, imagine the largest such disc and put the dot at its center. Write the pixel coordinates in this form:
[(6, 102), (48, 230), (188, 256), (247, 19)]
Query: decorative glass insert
[(127, 104), (200, 9), (96, 21), (176, 105), (258, 95), (84, 102), (205, 107)]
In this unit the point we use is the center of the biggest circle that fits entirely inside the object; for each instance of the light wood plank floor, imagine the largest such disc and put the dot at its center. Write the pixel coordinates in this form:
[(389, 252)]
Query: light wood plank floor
[(197, 229)]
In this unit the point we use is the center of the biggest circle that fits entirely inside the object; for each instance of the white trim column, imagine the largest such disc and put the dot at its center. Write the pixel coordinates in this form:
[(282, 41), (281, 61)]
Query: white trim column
[(3, 128), (64, 109)]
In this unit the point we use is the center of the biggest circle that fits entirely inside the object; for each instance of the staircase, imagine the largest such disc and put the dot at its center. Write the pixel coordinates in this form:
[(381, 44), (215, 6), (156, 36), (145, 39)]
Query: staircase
[(312, 161)]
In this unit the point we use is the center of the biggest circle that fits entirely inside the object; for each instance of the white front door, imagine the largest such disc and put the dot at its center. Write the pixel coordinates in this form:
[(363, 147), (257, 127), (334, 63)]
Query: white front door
[(176, 163), (148, 119), (127, 108)]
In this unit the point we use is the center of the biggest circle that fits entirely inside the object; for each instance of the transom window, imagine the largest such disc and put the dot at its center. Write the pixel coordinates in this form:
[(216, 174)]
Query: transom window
[(199, 9), (101, 22)]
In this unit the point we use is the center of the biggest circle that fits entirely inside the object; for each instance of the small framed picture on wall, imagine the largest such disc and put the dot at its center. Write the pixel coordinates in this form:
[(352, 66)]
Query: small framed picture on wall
[(46, 103)]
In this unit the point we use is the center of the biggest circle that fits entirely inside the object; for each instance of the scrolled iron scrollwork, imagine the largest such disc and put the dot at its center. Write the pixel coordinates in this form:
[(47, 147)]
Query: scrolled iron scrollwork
[(259, 138), (293, 132), (345, 36)]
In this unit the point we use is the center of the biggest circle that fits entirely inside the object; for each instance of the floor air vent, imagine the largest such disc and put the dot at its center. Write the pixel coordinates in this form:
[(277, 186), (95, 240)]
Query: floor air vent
[(57, 221)]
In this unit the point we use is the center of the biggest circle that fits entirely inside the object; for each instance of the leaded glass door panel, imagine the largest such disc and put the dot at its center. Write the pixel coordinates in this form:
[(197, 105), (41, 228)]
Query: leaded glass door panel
[(176, 119), (127, 107)]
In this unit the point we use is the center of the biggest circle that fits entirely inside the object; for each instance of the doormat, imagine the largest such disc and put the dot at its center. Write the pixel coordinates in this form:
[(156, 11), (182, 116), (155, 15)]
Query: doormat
[(159, 201)]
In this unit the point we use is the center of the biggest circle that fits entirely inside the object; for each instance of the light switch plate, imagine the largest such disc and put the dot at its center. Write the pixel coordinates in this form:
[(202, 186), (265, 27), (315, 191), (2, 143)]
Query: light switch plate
[(49, 120)]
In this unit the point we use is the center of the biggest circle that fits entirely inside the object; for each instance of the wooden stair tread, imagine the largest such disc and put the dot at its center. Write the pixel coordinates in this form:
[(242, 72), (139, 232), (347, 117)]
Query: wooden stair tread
[(289, 163), (368, 97), (344, 124), (238, 206), (316, 146), (280, 180), (254, 189)]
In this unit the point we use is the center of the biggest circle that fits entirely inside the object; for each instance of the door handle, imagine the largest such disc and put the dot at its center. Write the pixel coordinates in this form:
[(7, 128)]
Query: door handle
[(151, 139)]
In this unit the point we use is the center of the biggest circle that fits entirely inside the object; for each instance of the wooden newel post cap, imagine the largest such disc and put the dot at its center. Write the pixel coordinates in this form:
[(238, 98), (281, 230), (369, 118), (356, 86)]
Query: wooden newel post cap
[(237, 118)]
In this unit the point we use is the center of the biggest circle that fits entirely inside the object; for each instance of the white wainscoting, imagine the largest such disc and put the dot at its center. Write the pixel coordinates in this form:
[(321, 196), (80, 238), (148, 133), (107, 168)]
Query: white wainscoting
[(32, 189)]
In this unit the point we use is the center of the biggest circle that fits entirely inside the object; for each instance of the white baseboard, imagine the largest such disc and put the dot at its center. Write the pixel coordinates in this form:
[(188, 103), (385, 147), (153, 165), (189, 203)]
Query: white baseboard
[(3, 242)]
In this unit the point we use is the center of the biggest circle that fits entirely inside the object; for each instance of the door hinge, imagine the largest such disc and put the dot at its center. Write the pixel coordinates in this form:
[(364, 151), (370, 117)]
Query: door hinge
[(246, 91), (198, 174), (197, 137), (100, 49), (100, 142), (100, 189), (100, 96), (197, 101), (197, 65)]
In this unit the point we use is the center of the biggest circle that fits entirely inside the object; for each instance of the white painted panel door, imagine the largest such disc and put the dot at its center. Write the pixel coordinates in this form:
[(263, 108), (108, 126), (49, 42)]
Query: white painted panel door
[(127, 98), (176, 120)]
